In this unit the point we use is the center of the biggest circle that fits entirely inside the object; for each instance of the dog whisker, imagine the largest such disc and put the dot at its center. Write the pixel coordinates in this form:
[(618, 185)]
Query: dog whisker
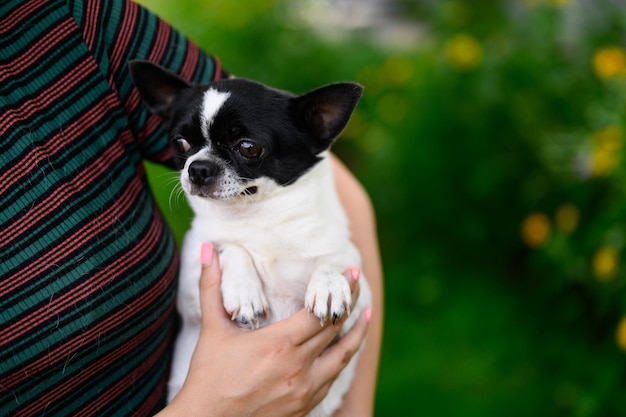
[(176, 194)]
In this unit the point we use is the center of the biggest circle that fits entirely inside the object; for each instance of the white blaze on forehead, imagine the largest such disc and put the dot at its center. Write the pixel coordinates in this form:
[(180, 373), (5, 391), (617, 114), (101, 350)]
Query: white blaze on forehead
[(211, 104)]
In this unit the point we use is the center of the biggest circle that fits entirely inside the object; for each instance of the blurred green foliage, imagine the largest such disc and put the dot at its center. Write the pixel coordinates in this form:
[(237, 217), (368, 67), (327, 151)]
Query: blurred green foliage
[(492, 150)]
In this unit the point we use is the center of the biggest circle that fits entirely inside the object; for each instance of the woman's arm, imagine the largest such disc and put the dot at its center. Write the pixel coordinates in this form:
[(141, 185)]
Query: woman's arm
[(360, 399)]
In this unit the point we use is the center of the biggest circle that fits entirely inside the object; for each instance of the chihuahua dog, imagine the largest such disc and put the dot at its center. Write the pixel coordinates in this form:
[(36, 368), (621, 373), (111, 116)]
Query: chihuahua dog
[(255, 170)]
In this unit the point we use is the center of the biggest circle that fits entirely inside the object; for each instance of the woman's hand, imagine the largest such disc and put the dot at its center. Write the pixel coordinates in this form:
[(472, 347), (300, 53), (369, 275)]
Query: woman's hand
[(284, 369)]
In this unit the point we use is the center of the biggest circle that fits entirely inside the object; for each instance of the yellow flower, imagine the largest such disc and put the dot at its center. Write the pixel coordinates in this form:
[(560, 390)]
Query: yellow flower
[(396, 72), (536, 230), (606, 150), (560, 2), (620, 334), (609, 62), (534, 3), (605, 263), (464, 52), (567, 217)]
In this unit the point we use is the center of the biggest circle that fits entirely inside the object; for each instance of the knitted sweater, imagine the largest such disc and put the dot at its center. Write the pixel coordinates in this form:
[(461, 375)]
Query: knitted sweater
[(87, 263)]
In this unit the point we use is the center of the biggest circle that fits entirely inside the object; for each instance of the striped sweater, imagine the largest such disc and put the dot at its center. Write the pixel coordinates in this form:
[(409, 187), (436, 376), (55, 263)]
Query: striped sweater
[(87, 264)]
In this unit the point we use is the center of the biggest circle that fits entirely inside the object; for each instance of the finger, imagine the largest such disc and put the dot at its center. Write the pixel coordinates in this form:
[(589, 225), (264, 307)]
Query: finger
[(304, 326), (319, 395), (211, 304), (353, 274), (337, 357)]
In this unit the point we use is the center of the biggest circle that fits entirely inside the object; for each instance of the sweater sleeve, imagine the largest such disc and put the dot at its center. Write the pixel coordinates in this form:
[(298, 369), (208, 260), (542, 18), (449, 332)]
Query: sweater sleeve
[(117, 31)]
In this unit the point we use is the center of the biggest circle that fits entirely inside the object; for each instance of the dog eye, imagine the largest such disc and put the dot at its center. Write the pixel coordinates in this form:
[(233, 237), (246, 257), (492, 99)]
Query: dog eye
[(248, 149), (182, 145)]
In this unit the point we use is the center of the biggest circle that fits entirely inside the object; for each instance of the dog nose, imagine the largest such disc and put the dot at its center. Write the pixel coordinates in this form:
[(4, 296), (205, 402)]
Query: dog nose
[(202, 172)]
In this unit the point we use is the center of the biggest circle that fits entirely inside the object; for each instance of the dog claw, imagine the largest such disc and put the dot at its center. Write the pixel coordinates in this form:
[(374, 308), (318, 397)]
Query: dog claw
[(251, 322)]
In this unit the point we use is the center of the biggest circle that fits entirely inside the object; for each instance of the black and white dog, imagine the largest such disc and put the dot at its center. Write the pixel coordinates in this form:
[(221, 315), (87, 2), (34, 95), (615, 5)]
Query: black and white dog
[(255, 169)]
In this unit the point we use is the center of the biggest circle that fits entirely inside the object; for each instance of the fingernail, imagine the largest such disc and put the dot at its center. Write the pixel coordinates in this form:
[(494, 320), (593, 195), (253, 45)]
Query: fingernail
[(368, 314), (206, 253), (355, 272)]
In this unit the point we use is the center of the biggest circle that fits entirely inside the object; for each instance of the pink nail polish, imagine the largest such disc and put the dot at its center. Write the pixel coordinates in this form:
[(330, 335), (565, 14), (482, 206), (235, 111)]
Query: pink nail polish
[(368, 314), (206, 253), (355, 272)]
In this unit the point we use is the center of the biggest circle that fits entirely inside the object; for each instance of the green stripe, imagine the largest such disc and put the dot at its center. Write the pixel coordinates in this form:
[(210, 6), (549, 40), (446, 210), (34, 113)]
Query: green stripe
[(38, 25), (106, 245)]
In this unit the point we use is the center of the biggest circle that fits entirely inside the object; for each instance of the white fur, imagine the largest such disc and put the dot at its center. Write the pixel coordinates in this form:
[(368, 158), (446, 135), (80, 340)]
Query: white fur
[(212, 101), (280, 249)]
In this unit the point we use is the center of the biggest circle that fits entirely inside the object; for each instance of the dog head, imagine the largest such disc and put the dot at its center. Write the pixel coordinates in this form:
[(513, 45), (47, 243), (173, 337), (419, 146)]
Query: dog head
[(237, 137)]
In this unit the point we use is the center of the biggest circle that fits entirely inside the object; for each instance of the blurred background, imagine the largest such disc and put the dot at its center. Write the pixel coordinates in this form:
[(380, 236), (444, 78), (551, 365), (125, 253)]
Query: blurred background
[(490, 139)]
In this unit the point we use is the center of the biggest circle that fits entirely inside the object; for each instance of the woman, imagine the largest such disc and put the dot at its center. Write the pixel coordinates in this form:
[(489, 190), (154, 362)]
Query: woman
[(88, 265)]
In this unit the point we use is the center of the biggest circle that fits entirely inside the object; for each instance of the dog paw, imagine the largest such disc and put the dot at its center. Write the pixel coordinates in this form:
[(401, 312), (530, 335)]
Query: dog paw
[(242, 289), (245, 302), (328, 295)]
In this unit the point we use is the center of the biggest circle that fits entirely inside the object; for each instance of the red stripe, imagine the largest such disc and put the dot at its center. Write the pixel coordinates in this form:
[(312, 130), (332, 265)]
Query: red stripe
[(130, 379), (120, 44), (133, 101), (87, 374), (218, 68), (91, 22), (118, 389), (57, 306), (58, 254), (18, 15), (165, 156), (191, 62), (152, 124), (62, 354), (43, 46), (24, 168), (62, 194), (52, 94), (161, 44)]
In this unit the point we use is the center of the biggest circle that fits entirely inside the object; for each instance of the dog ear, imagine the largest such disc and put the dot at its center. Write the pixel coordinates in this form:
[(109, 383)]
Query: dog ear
[(157, 86), (325, 111)]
